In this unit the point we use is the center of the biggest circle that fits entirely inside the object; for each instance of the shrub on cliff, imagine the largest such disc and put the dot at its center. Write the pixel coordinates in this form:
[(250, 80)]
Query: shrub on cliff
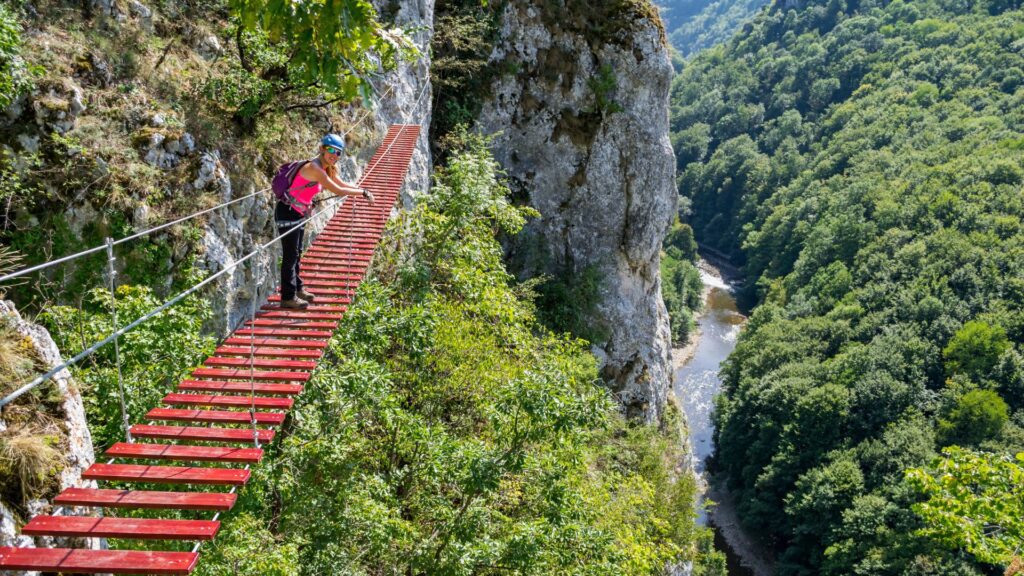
[(14, 73), (154, 356)]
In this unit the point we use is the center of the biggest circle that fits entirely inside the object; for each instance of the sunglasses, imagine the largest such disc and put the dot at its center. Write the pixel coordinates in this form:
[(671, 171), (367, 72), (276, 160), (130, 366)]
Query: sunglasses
[(333, 150)]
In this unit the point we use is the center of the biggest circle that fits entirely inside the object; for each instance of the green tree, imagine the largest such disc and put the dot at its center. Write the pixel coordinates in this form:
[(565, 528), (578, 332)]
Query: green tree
[(975, 349), (975, 502), (817, 503), (322, 51), (977, 416)]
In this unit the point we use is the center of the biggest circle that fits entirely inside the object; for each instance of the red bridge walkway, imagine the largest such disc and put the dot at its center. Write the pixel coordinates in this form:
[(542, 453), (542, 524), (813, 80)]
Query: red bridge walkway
[(288, 345)]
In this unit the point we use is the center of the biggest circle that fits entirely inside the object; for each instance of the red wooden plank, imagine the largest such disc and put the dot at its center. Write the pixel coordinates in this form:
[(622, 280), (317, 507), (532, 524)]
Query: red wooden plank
[(347, 239), (226, 416), (268, 352), (176, 399), (305, 314), (338, 229), (181, 452), (313, 264), (366, 240), (364, 219), (315, 283), (244, 374), (80, 561), (356, 229), (320, 300), (331, 274), (167, 474), (331, 270), (203, 433), (335, 262), (338, 255), (316, 267), (134, 528), (337, 266), (293, 324), (342, 244), (290, 333), (330, 285), (367, 224), (148, 499), (318, 249), (262, 363), (331, 292), (348, 231), (278, 342), (375, 220), (321, 305), (215, 386)]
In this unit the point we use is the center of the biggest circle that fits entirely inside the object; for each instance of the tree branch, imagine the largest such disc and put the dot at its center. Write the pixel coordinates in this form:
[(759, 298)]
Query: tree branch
[(322, 104), (243, 58)]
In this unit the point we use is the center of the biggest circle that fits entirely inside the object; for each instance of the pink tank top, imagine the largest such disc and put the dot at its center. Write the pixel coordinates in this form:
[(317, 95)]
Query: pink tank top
[(302, 193)]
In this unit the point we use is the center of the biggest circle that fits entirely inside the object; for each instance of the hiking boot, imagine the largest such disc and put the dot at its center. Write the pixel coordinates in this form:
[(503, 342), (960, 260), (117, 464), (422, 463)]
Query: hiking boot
[(295, 304), (307, 296)]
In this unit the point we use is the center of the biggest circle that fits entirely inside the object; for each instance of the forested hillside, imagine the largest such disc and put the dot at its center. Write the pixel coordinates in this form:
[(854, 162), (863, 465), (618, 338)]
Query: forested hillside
[(864, 162), (697, 25)]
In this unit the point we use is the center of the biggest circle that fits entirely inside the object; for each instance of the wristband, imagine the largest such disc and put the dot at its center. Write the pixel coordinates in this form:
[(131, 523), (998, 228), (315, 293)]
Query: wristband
[(365, 192)]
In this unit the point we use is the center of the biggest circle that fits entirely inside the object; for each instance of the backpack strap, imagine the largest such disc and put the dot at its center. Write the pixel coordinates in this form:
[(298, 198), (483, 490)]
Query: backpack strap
[(298, 169)]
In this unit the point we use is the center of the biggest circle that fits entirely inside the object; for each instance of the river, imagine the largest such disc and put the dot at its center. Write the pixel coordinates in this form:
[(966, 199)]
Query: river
[(696, 382)]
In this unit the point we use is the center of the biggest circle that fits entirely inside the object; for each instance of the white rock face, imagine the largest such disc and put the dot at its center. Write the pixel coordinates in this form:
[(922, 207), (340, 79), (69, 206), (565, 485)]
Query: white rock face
[(167, 152), (409, 100), (78, 453), (602, 177)]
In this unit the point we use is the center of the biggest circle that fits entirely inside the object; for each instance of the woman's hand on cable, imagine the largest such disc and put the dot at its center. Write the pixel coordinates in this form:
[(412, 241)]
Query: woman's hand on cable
[(367, 194)]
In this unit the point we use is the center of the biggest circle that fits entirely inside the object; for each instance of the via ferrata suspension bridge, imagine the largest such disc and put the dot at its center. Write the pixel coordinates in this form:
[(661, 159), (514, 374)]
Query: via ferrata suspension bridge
[(213, 426)]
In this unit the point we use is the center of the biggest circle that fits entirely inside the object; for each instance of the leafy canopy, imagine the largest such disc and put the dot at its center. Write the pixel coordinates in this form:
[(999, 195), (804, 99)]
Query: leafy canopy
[(975, 349), (325, 49), (975, 501)]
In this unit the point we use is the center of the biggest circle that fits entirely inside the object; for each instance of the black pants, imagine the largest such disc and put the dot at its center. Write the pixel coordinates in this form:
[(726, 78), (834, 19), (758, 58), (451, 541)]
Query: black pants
[(291, 249)]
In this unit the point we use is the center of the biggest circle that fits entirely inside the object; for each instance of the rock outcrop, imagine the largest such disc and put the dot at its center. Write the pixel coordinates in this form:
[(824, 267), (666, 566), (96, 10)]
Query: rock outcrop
[(73, 430), (582, 131)]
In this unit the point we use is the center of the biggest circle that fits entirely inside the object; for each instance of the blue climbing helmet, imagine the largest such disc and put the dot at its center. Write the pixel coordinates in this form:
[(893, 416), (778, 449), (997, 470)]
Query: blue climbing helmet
[(333, 140)]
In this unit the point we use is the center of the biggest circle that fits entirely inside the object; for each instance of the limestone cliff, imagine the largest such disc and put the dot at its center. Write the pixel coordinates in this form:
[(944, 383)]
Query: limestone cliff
[(582, 121)]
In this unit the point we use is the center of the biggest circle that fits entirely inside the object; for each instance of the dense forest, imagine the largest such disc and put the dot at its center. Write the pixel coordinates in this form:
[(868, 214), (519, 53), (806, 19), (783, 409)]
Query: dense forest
[(863, 161), (696, 25)]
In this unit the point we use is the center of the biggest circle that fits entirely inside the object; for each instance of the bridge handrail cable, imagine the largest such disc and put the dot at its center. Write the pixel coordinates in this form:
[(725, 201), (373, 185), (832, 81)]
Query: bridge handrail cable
[(181, 296)]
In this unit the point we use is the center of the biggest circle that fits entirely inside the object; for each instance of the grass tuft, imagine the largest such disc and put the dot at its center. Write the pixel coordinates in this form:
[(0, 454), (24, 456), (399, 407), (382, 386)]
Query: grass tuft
[(29, 462)]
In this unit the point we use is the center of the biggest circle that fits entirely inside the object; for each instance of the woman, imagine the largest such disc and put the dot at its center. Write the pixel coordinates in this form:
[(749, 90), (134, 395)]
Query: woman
[(315, 176)]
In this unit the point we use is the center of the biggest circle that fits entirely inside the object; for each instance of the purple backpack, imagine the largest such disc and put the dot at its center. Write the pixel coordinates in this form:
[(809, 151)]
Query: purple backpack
[(282, 182)]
